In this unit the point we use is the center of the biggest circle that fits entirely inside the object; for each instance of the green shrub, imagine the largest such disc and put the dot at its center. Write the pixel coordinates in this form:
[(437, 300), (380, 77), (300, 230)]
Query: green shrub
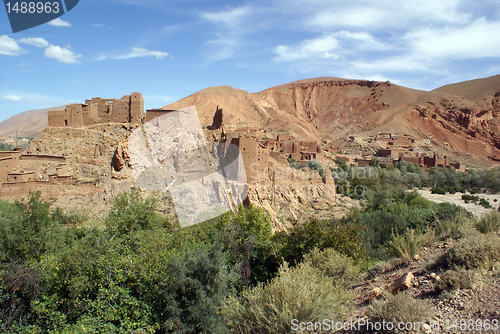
[(130, 212), (483, 202), (452, 227), (246, 236), (378, 226), (301, 293), (399, 308), (447, 210), (316, 165), (337, 266), (73, 218), (342, 235), (438, 190), (475, 251), (199, 281), (405, 246), (421, 202), (451, 190), (454, 279), (489, 222)]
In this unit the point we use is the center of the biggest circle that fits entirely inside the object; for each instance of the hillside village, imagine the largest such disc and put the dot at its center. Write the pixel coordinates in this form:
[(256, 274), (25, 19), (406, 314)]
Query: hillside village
[(262, 155)]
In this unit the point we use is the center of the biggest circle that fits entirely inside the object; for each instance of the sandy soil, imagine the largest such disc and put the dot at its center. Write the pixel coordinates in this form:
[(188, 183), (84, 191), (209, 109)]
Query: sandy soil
[(477, 210)]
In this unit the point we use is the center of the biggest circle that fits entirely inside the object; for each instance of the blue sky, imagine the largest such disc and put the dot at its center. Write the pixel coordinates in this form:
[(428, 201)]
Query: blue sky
[(170, 49)]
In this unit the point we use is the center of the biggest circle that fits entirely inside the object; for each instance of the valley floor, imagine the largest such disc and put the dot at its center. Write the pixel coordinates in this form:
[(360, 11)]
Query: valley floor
[(456, 198)]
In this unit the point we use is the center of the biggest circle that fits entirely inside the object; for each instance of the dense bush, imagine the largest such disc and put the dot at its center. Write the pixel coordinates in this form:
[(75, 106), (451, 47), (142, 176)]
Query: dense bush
[(483, 202), (399, 308), (6, 147), (475, 251), (130, 212), (438, 190), (339, 267), (454, 279), (343, 235), (316, 165), (303, 292), (247, 237)]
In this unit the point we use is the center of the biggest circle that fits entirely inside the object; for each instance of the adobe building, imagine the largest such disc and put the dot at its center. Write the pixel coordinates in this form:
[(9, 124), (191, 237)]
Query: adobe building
[(7, 164), (20, 176), (128, 109), (255, 157)]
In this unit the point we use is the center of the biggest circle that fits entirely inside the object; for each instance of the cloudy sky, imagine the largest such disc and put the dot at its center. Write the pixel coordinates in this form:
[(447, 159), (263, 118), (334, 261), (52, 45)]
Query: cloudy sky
[(169, 49)]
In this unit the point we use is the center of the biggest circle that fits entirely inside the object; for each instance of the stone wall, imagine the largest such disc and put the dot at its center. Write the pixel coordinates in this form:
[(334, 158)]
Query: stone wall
[(7, 164), (42, 157), (154, 113), (128, 109), (20, 177)]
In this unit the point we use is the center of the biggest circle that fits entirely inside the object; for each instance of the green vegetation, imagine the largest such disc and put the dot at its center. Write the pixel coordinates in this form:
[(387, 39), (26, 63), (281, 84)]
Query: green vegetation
[(475, 251), (406, 246), (454, 279), (489, 222), (438, 190), (441, 180), (399, 308), (453, 227), (303, 292), (6, 147), (313, 164), (136, 272)]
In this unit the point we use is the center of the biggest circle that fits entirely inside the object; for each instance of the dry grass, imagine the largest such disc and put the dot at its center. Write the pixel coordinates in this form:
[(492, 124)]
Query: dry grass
[(399, 308), (337, 266), (489, 222), (405, 246), (475, 251), (302, 293), (455, 279)]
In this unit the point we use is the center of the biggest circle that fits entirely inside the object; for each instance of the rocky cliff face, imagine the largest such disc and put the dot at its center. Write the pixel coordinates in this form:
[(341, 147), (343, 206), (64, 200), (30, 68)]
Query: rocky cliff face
[(462, 118)]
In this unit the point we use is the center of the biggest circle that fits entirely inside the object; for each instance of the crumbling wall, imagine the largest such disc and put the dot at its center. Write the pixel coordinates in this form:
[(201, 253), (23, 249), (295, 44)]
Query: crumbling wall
[(129, 109)]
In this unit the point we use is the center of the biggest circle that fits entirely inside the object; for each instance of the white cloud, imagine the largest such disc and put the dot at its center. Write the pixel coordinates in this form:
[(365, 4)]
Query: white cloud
[(223, 47), (140, 52), (63, 55), (393, 14), (36, 41), (404, 63), (479, 39), (360, 17), (11, 98), (97, 25), (136, 53), (309, 49), (9, 46), (228, 18), (59, 23)]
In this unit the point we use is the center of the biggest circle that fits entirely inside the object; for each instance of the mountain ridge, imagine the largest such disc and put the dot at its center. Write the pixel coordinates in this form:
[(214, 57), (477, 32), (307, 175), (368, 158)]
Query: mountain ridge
[(461, 118)]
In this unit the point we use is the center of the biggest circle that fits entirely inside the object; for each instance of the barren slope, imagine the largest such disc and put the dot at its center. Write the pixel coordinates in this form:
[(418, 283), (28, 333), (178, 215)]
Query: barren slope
[(28, 124), (459, 119)]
